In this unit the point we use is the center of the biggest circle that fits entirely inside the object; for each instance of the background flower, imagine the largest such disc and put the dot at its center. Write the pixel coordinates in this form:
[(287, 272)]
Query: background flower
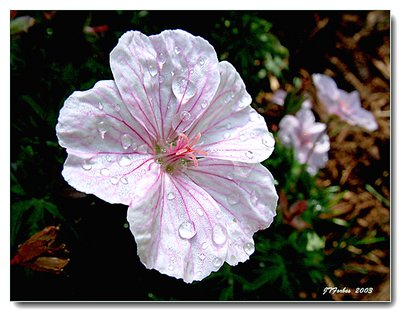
[(307, 137), (175, 138), (345, 105)]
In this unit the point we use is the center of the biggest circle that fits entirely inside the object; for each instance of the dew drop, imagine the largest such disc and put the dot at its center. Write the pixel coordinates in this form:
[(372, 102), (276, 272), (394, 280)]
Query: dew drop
[(161, 59), (217, 262), (109, 158), (114, 180), (185, 115), (86, 165), (170, 196), (249, 248), (124, 161), (124, 180), (117, 107), (153, 70), (233, 198), (243, 137), (254, 116), (186, 230), (200, 212), (102, 128), (204, 245), (268, 140), (105, 172), (202, 256), (250, 154), (204, 104), (219, 234), (126, 141), (227, 135), (177, 50), (201, 61), (253, 197), (183, 89), (101, 106)]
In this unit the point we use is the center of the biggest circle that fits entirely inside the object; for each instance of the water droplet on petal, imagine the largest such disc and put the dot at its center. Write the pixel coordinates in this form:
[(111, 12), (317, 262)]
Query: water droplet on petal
[(126, 141), (204, 104), (124, 161), (249, 248), (102, 128), (153, 70), (117, 107), (268, 140), (161, 59), (200, 212), (217, 262), (201, 61), (204, 245), (202, 256), (86, 165), (250, 154), (253, 197), (109, 158), (101, 106), (177, 49), (227, 135), (114, 180), (183, 89), (233, 198), (124, 180), (170, 196), (105, 172), (243, 137), (185, 115), (219, 234), (186, 230)]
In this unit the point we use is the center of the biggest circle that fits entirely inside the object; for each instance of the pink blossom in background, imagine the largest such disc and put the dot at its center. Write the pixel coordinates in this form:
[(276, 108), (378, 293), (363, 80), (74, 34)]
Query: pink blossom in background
[(174, 137), (345, 105), (279, 97), (306, 137)]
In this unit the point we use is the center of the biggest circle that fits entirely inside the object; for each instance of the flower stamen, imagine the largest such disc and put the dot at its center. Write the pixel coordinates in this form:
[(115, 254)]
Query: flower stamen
[(182, 150)]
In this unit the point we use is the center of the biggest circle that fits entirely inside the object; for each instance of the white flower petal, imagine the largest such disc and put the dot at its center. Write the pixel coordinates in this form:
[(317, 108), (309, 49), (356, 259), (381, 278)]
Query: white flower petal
[(107, 148), (187, 226), (165, 78), (230, 128)]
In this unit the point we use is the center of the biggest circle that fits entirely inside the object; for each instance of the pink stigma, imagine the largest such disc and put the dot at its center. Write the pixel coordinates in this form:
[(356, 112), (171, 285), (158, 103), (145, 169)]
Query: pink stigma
[(180, 151)]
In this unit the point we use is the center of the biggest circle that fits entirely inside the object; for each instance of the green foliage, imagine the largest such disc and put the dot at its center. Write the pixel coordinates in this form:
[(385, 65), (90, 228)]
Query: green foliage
[(33, 215), (247, 42)]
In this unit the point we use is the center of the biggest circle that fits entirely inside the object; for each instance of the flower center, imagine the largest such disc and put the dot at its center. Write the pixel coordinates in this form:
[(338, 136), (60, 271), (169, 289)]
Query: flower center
[(179, 153)]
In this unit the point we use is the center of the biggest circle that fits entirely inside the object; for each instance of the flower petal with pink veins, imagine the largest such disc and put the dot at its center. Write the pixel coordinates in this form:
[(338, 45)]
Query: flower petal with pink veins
[(107, 148), (187, 225), (343, 104), (230, 128), (165, 79)]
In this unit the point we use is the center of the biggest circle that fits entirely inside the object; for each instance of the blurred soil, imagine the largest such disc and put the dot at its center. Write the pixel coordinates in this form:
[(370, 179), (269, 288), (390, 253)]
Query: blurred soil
[(353, 48)]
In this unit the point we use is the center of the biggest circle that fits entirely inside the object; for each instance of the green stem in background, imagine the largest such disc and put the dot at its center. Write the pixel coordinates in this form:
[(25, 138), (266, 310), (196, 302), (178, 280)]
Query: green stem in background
[(377, 195)]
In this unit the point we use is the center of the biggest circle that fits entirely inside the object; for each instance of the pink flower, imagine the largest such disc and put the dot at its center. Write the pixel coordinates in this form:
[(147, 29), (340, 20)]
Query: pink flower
[(306, 137), (345, 105), (279, 97), (174, 137)]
